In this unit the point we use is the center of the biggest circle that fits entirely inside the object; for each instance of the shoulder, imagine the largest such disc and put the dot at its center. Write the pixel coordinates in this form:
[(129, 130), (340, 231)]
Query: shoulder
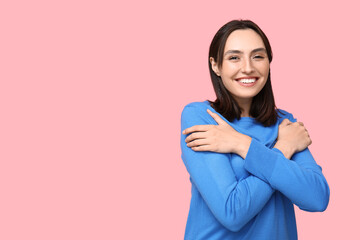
[(285, 114), (197, 105), (195, 113)]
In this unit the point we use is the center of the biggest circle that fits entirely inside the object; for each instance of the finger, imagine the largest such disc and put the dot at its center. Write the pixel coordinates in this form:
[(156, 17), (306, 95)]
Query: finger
[(195, 135), (196, 128), (301, 123), (285, 122), (197, 142), (201, 148), (216, 117)]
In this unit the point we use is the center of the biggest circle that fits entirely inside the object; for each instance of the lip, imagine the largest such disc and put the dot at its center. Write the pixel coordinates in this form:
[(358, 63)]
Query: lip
[(246, 84)]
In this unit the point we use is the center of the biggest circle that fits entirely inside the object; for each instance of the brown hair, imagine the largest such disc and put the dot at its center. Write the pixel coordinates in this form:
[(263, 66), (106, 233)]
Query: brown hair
[(263, 107)]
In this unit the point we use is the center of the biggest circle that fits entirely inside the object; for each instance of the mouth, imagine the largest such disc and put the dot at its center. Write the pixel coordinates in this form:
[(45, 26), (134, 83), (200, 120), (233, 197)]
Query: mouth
[(247, 81)]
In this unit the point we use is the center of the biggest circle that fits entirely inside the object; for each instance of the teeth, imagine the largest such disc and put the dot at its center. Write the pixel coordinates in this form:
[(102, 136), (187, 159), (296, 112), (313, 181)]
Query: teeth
[(247, 80)]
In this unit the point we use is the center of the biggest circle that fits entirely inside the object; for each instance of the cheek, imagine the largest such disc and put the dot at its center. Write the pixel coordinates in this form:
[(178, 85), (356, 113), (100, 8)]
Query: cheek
[(229, 71), (264, 69), (226, 80), (266, 72)]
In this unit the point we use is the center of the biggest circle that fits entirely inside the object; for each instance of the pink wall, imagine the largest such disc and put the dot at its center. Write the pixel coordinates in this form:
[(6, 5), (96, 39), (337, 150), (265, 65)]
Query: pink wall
[(91, 94)]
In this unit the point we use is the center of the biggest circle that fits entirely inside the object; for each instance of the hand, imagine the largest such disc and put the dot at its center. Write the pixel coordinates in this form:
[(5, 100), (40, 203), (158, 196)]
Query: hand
[(221, 138), (292, 138)]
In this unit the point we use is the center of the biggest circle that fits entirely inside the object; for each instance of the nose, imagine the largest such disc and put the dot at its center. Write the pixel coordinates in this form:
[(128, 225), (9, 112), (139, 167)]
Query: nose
[(247, 66)]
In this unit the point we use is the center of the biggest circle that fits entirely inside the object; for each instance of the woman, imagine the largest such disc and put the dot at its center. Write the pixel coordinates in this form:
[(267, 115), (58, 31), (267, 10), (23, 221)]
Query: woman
[(248, 161)]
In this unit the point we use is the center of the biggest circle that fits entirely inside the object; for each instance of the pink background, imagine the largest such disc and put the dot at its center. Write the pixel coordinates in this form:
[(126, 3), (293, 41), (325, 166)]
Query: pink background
[(91, 94)]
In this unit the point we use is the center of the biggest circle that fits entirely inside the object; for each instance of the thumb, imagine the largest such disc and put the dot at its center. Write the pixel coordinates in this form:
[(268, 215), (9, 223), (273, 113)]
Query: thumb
[(216, 117)]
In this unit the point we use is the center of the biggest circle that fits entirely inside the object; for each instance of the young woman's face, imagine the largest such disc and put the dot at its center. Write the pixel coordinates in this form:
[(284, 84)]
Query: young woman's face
[(245, 67)]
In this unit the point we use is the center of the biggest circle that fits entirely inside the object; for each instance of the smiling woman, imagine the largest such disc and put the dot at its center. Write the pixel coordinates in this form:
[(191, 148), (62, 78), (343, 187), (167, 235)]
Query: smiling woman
[(248, 161), (245, 67)]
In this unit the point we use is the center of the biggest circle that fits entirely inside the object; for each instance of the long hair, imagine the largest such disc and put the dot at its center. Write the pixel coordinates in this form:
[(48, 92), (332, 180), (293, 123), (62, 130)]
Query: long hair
[(263, 107)]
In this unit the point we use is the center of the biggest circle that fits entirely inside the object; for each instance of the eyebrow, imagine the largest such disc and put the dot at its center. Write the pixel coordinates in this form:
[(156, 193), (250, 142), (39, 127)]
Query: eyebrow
[(239, 52)]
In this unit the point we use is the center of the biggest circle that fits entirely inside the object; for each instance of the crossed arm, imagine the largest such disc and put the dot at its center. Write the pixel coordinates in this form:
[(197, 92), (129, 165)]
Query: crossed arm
[(222, 138), (234, 202)]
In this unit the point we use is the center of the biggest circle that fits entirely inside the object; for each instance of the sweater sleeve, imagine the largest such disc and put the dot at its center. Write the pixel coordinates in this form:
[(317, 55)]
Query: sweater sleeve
[(299, 179), (233, 202)]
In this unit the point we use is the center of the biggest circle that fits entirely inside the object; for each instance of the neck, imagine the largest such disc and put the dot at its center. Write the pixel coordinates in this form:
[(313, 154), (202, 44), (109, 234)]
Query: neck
[(245, 105)]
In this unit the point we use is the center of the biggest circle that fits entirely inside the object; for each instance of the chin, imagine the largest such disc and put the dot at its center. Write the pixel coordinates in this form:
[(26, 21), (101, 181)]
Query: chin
[(245, 96)]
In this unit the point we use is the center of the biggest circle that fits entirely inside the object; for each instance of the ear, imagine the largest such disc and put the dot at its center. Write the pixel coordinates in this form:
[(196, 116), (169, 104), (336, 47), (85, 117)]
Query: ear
[(214, 66)]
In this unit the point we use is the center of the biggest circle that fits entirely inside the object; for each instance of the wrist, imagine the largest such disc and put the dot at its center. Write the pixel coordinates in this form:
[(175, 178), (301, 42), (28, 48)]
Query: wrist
[(242, 145), (286, 149)]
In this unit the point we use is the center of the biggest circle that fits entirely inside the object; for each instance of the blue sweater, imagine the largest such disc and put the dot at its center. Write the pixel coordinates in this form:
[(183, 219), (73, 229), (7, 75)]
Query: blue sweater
[(251, 198)]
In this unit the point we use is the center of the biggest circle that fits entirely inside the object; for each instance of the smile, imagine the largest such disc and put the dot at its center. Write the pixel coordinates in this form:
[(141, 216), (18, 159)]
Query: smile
[(247, 82)]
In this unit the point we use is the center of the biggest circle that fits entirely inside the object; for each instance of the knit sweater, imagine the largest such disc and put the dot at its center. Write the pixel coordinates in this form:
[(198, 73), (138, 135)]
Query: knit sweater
[(252, 198)]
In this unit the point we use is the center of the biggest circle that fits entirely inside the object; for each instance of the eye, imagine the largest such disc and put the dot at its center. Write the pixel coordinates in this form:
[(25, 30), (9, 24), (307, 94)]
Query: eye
[(259, 57), (233, 58)]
